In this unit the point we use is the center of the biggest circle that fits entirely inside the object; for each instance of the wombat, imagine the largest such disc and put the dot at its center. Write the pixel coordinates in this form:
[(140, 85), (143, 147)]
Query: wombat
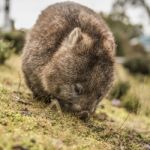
[(69, 55)]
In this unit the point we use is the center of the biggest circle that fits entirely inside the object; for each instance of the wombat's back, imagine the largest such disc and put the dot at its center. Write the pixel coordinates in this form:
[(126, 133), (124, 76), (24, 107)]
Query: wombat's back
[(56, 22)]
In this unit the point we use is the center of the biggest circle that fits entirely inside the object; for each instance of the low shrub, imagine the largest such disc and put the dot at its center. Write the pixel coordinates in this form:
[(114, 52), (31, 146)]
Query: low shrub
[(17, 38), (138, 64), (119, 90), (5, 51), (131, 103), (138, 50)]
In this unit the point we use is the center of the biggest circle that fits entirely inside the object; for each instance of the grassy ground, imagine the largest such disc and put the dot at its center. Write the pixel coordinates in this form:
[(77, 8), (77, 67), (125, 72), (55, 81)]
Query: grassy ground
[(28, 124), (140, 86)]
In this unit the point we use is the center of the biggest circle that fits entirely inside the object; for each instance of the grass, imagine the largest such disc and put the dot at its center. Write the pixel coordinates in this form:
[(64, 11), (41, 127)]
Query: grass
[(26, 124), (139, 87)]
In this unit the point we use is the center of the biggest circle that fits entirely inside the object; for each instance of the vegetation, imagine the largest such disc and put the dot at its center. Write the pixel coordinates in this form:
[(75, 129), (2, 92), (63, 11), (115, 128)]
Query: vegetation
[(138, 64), (119, 90), (131, 103), (29, 124), (17, 38), (123, 31), (138, 3), (138, 91), (4, 51)]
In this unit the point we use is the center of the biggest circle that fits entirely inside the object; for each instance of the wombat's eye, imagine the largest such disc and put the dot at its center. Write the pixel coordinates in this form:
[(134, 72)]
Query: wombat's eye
[(78, 89)]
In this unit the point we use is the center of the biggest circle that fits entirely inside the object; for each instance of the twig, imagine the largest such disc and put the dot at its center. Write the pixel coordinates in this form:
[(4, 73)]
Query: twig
[(55, 103)]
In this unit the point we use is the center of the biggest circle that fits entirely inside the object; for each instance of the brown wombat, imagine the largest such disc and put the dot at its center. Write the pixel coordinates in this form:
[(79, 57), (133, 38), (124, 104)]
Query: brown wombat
[(69, 54)]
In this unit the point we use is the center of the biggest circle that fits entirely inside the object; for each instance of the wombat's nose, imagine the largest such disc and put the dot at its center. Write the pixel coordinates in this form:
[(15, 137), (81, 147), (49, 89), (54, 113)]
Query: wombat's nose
[(76, 107), (84, 115)]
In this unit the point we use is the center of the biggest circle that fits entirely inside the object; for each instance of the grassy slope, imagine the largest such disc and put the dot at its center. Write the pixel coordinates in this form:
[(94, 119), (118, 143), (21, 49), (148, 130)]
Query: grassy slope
[(27, 124), (140, 86)]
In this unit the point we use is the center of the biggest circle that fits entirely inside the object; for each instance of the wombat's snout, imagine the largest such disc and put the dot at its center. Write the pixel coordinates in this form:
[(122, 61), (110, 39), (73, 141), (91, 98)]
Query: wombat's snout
[(82, 114), (77, 109)]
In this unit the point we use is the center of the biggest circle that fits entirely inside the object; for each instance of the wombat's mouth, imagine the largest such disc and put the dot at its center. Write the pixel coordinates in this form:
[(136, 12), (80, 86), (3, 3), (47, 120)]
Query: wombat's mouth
[(73, 106), (76, 109)]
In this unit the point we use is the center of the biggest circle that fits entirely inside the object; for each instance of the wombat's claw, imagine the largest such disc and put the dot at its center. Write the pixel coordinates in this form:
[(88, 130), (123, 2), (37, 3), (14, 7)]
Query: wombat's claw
[(55, 103)]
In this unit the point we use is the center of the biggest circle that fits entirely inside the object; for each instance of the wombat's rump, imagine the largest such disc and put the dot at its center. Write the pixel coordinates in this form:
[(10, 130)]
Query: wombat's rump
[(69, 54)]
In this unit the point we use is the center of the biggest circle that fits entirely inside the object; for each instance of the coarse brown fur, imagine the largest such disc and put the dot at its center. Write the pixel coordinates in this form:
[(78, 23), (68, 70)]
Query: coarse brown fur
[(69, 54)]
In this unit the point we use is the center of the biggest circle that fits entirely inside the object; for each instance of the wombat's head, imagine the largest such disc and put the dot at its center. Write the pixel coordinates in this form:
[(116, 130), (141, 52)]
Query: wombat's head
[(79, 74)]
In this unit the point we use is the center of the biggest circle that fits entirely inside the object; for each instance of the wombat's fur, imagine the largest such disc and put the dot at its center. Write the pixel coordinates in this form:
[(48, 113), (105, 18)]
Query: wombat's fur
[(69, 54)]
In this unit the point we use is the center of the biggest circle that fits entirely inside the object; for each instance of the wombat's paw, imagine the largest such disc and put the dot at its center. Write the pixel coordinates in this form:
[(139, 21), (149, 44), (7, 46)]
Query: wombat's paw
[(108, 43)]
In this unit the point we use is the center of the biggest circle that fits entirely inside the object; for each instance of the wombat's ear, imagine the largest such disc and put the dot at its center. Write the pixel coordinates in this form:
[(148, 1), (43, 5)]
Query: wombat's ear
[(74, 36)]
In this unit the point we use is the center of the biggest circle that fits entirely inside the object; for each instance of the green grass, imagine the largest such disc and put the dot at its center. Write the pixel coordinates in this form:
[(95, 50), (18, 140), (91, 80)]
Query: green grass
[(27, 124), (139, 88)]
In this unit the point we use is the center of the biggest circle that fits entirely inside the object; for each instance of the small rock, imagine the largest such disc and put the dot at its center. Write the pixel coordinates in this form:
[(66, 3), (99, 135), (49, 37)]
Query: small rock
[(147, 146), (102, 116), (58, 144), (116, 102)]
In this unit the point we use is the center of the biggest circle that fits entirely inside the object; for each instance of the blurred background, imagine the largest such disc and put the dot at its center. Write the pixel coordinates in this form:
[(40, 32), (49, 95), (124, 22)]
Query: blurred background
[(129, 21)]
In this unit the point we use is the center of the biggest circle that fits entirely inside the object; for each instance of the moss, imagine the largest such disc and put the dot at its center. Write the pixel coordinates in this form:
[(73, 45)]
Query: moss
[(131, 103), (119, 90), (5, 51), (30, 125)]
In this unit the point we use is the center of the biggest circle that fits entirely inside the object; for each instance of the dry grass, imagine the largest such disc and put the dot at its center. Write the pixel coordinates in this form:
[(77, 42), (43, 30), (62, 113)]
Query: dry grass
[(140, 87), (28, 124)]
